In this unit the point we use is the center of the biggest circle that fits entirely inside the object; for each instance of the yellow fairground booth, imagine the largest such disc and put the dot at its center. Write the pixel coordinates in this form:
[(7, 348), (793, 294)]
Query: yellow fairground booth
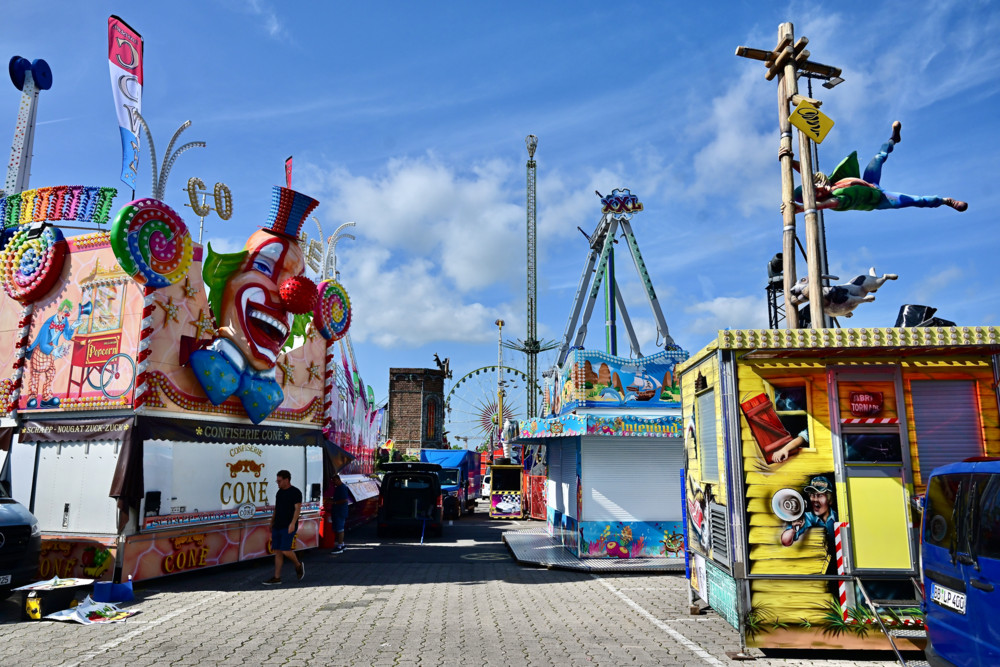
[(805, 449)]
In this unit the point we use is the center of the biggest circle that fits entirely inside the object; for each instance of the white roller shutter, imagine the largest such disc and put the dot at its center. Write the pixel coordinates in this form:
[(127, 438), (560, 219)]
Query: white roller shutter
[(946, 420), (708, 437), (553, 485), (632, 479), (569, 477)]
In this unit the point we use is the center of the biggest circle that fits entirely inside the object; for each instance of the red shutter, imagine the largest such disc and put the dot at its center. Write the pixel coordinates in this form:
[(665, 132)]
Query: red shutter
[(767, 429)]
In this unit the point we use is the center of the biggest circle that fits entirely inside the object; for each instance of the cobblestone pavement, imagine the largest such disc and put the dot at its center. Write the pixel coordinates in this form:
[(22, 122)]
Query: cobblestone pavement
[(457, 600)]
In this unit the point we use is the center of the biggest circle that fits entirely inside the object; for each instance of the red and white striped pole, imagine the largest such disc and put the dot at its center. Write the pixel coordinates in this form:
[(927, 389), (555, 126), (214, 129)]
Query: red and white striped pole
[(840, 566), (329, 388), (145, 332), (24, 331)]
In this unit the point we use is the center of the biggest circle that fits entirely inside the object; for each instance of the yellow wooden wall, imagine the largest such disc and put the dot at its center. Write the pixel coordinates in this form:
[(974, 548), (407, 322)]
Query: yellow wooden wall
[(790, 601)]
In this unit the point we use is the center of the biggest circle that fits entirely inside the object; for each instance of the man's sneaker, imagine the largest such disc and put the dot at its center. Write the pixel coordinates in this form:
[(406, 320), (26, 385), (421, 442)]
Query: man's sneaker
[(339, 549), (273, 581), (300, 570)]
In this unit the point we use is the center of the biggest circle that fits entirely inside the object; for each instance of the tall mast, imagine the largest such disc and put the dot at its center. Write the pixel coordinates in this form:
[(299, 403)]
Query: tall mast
[(531, 343)]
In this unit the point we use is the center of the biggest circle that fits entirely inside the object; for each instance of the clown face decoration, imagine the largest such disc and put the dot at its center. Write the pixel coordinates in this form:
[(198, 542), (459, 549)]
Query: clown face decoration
[(254, 294), (253, 315)]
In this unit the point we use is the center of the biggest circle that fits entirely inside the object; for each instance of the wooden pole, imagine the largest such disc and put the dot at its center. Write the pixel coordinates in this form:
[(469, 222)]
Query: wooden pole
[(787, 187), (816, 319), (784, 63), (790, 78)]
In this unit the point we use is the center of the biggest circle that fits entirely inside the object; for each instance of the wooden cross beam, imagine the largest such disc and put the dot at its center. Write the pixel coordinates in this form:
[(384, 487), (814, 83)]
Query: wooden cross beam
[(784, 62)]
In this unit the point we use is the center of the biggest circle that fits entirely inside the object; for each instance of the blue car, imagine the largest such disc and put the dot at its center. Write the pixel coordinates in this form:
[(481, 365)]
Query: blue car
[(961, 563)]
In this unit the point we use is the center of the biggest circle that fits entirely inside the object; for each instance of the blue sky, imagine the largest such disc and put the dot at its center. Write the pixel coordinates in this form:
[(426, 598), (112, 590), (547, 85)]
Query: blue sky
[(409, 118)]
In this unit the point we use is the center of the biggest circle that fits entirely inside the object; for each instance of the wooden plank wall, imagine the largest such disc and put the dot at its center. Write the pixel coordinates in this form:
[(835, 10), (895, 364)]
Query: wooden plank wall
[(788, 601)]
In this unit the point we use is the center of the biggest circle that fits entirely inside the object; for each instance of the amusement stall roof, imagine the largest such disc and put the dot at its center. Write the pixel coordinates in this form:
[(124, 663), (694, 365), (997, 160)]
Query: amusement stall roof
[(617, 425), (853, 343)]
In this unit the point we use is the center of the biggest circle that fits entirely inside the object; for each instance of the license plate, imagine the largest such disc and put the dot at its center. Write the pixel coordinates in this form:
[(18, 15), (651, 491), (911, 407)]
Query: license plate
[(948, 598), (4, 579)]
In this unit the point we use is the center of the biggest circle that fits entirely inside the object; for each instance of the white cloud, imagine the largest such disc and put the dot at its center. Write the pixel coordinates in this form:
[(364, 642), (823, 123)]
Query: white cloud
[(406, 304), (741, 155), (467, 223), (745, 312), (437, 251), (928, 288), (222, 244), (269, 17)]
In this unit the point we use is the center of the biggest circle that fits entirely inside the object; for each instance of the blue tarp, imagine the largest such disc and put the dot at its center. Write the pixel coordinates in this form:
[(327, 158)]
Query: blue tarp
[(447, 458)]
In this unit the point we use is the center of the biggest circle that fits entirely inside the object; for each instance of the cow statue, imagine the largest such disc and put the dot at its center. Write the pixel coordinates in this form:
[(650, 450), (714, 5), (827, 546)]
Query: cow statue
[(841, 300)]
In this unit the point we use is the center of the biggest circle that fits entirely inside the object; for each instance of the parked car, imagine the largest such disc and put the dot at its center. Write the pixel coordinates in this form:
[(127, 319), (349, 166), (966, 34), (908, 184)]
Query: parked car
[(484, 490), (410, 497), (20, 544), (960, 549)]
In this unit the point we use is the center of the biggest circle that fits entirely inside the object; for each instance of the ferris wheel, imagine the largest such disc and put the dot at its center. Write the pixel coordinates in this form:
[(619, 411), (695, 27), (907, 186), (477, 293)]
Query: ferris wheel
[(471, 404)]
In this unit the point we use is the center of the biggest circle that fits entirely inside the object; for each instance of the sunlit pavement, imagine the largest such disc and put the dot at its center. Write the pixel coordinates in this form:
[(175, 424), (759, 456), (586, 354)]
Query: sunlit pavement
[(457, 600)]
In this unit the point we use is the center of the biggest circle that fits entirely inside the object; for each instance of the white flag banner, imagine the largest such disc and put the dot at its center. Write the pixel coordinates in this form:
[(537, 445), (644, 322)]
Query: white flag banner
[(125, 61)]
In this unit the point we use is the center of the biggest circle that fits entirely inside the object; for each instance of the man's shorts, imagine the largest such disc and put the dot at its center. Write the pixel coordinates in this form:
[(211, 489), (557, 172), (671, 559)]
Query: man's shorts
[(281, 540), (339, 518)]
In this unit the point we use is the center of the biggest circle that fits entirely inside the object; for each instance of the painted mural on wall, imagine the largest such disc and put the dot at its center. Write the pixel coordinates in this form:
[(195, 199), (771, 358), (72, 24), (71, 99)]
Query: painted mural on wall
[(565, 425), (811, 509), (82, 335), (630, 425), (506, 504), (76, 558), (631, 539), (594, 379), (699, 497), (618, 425), (793, 512)]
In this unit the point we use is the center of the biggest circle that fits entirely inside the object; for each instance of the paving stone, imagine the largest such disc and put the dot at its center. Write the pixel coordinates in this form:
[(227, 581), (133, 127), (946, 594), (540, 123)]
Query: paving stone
[(398, 605)]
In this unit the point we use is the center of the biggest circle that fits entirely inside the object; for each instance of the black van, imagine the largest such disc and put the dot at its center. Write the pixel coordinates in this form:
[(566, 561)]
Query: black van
[(410, 497), (20, 544)]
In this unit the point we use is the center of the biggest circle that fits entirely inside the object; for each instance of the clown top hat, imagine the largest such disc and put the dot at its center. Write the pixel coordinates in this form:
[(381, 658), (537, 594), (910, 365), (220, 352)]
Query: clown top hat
[(289, 210)]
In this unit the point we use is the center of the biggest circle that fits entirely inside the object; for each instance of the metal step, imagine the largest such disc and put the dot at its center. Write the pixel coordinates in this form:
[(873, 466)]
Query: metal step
[(909, 633)]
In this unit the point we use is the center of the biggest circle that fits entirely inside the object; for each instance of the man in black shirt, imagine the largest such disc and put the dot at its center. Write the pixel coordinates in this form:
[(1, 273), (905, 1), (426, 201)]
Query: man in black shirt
[(284, 524)]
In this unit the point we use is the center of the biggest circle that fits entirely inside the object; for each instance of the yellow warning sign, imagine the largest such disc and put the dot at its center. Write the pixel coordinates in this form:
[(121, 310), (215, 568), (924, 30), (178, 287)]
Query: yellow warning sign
[(812, 121)]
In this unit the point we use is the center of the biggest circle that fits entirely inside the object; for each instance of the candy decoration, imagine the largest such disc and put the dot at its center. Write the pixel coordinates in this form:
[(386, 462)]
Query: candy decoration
[(152, 243), (299, 295), (31, 262), (332, 314)]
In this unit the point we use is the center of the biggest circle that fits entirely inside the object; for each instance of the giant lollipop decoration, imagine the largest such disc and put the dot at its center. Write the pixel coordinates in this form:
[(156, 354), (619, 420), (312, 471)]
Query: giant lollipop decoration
[(332, 314), (32, 262), (152, 243)]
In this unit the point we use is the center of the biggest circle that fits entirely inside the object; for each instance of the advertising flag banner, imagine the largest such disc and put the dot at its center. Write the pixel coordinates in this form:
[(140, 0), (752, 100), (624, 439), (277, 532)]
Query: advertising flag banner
[(288, 172), (125, 61)]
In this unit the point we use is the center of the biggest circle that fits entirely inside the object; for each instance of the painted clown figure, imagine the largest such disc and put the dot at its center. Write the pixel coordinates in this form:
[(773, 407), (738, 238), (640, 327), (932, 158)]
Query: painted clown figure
[(43, 352), (253, 295)]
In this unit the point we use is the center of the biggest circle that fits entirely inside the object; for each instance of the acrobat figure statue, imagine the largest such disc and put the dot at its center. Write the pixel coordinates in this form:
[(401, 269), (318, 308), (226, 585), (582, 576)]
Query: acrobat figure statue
[(847, 190)]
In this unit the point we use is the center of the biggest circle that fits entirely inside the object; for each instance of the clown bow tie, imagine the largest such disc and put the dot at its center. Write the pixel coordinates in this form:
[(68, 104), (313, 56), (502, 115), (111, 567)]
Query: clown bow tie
[(221, 378)]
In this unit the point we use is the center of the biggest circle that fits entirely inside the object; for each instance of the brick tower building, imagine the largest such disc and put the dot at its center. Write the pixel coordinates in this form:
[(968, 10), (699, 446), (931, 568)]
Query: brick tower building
[(416, 408)]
